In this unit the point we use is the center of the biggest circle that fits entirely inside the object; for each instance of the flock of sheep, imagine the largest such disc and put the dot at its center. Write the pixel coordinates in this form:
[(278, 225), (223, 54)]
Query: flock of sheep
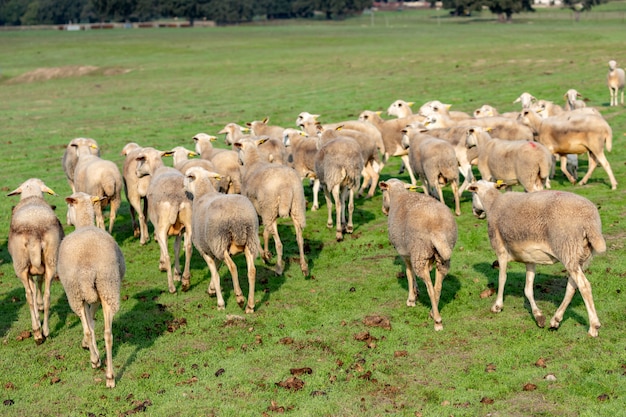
[(215, 201)]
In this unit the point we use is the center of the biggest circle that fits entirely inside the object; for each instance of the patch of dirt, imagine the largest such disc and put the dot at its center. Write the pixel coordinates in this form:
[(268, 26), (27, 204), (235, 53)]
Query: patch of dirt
[(45, 74)]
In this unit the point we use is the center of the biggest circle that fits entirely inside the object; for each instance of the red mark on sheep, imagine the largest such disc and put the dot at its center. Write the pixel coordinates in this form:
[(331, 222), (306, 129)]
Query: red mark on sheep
[(532, 144)]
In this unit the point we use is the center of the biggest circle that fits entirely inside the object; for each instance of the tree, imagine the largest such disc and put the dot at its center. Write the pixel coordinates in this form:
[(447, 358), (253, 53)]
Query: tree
[(505, 8), (579, 6)]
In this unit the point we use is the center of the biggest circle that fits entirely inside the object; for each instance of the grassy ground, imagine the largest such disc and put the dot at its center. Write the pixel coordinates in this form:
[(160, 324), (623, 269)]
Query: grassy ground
[(176, 355)]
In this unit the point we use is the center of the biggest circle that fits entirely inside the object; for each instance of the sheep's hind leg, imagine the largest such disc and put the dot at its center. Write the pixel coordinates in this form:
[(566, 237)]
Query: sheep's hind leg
[(528, 291), (424, 273), (89, 337), (412, 283), (215, 281), (235, 278), (350, 225), (31, 297), (251, 279), (279, 247), (108, 344)]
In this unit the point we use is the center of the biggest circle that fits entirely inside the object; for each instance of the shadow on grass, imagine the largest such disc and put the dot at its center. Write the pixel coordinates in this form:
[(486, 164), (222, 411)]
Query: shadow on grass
[(549, 288), (141, 326), (449, 288), (10, 305)]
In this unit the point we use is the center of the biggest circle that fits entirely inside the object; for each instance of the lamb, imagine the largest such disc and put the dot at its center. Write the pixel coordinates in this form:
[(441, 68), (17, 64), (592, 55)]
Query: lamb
[(91, 268), (615, 82), (275, 191), (35, 234), (136, 189), (434, 160), (424, 233), (70, 158), (223, 225), (226, 161), (169, 211), (526, 99), (99, 177), (262, 128), (338, 165), (574, 134), (233, 132), (303, 152), (521, 162), (548, 227), (571, 100)]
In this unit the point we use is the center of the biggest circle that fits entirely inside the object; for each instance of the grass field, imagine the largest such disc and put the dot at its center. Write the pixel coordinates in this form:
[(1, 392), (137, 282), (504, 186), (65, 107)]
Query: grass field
[(176, 355)]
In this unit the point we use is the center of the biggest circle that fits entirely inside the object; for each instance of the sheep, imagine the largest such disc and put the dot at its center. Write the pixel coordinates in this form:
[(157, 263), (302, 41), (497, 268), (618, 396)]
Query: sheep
[(181, 154), (526, 99), (424, 233), (615, 81), (400, 108), (226, 161), (223, 225), (434, 160), (136, 189), (465, 157), (436, 107), (574, 134), (338, 165), (500, 127), (571, 100), (169, 211), (35, 234), (91, 267), (70, 158), (547, 227), (275, 191), (233, 132), (521, 162), (303, 152), (391, 132), (489, 111), (100, 177), (262, 128)]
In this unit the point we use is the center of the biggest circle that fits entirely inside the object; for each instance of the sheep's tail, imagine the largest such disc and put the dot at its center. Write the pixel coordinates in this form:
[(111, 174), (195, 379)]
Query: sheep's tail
[(609, 141), (87, 287), (443, 247), (34, 254), (595, 238)]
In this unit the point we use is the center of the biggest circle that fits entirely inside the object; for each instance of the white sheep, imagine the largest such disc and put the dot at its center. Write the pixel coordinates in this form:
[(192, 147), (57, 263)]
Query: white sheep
[(338, 165), (498, 126), (226, 161), (303, 152), (70, 158), (263, 128), (424, 233), (542, 228), (400, 108), (91, 268), (436, 107), (96, 176), (435, 161), (181, 155), (526, 99), (35, 234), (233, 132), (574, 134), (136, 189), (571, 100), (523, 162), (223, 225), (169, 211), (615, 81), (489, 111), (276, 192)]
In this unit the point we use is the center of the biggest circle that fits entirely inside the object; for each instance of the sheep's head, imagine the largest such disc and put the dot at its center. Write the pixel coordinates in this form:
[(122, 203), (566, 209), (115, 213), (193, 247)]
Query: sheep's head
[(400, 108), (306, 117), (196, 177), (32, 187), (81, 208), (387, 187), (480, 190)]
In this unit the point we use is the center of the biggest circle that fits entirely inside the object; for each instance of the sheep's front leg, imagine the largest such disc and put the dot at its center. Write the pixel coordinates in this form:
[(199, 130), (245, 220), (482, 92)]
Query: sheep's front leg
[(407, 164), (566, 172), (529, 292), (316, 190), (186, 279), (578, 279), (499, 303), (455, 191)]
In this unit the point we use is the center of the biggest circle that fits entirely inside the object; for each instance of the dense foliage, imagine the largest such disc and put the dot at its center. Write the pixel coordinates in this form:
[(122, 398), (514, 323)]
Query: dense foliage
[(32, 12)]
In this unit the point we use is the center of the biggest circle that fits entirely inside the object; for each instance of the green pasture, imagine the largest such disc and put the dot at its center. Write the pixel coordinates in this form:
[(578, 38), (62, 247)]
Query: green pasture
[(176, 355)]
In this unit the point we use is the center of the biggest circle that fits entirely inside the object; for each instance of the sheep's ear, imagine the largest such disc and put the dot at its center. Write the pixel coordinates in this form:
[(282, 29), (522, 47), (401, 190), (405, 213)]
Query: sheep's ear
[(472, 188), (500, 184), (215, 175), (212, 138), (410, 103), (191, 153), (383, 185), (48, 190), (261, 141), (266, 120), (379, 112), (238, 145), (95, 199), (167, 153), (410, 187), (315, 116), (17, 191), (244, 129), (338, 128)]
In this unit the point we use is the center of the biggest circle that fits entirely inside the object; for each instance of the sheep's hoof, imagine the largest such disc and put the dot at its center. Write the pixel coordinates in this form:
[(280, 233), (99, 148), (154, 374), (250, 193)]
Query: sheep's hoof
[(349, 229), (136, 233), (177, 276), (39, 337), (241, 301), (279, 269), (96, 364), (438, 326), (339, 237), (541, 320), (266, 255), (221, 307), (315, 207), (249, 309), (496, 308), (185, 286), (172, 289), (329, 225), (305, 270), (410, 303), (110, 382)]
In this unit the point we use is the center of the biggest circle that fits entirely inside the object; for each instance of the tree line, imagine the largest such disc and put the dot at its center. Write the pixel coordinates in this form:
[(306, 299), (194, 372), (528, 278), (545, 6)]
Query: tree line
[(58, 12)]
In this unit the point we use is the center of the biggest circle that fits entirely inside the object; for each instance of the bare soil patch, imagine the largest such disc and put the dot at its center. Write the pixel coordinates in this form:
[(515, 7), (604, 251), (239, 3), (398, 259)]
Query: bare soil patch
[(45, 74)]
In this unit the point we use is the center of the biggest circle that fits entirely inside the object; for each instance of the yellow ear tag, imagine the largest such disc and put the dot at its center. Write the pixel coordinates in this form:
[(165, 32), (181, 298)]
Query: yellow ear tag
[(499, 182), (412, 188)]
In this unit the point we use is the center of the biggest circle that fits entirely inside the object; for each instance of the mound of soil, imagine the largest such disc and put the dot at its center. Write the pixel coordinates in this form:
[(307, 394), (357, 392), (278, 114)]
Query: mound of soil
[(44, 74)]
